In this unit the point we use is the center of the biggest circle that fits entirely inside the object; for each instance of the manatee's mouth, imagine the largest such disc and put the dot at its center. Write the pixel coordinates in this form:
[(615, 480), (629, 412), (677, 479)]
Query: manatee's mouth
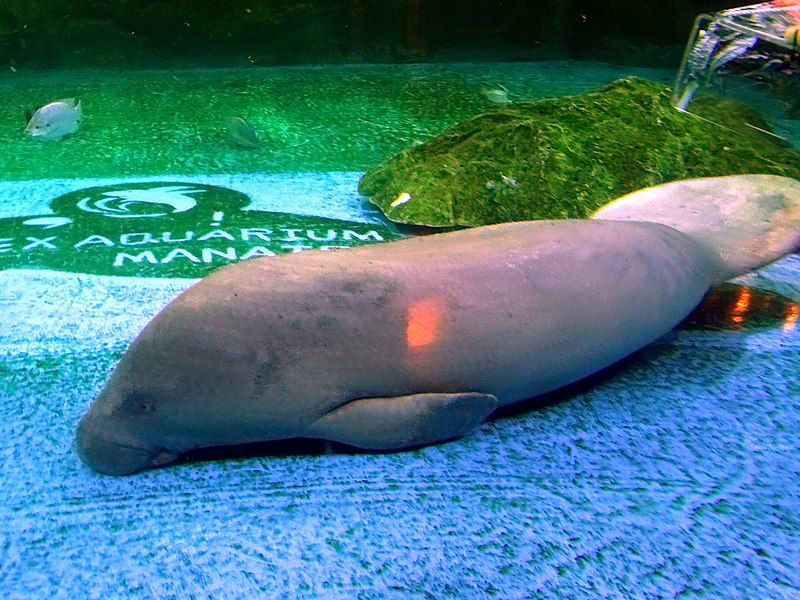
[(106, 447)]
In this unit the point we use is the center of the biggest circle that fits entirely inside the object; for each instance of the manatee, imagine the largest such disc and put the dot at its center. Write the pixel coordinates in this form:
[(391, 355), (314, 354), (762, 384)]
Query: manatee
[(418, 341), (748, 219)]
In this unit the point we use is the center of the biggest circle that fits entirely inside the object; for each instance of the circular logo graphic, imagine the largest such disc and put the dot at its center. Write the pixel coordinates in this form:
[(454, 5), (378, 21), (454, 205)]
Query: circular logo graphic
[(148, 200), (158, 201)]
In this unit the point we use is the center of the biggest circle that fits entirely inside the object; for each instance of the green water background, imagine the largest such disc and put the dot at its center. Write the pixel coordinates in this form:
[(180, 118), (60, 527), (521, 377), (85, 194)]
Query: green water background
[(309, 119)]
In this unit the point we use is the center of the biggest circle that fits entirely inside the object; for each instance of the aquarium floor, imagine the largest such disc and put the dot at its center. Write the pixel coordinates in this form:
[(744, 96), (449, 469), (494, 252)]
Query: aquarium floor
[(676, 474)]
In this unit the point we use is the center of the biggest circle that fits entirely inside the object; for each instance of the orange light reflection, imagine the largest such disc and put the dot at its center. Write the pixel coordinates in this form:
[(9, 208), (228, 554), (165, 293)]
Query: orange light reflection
[(742, 304), (423, 326), (790, 322)]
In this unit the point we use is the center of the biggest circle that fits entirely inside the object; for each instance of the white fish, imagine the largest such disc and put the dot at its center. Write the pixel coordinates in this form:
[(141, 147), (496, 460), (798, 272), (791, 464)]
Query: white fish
[(55, 120), (498, 95), (241, 133), (509, 181)]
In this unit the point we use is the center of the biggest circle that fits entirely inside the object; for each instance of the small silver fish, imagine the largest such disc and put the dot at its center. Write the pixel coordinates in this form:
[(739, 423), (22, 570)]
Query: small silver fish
[(241, 133), (498, 95), (55, 120), (509, 181)]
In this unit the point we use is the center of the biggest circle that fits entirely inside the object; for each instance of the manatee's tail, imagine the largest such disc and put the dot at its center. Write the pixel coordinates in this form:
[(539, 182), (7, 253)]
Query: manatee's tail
[(749, 220)]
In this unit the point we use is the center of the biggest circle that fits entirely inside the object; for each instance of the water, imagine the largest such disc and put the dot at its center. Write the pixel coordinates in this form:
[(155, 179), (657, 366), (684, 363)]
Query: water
[(675, 473), (310, 119)]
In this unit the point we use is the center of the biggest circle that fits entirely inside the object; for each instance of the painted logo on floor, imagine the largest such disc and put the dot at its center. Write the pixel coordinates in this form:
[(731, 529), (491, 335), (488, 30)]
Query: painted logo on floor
[(167, 229)]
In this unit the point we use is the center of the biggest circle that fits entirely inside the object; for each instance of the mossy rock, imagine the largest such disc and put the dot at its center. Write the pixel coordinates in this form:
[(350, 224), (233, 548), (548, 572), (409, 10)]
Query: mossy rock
[(564, 158)]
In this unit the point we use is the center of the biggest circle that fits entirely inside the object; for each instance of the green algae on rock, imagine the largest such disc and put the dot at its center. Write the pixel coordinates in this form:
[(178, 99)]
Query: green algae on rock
[(564, 158)]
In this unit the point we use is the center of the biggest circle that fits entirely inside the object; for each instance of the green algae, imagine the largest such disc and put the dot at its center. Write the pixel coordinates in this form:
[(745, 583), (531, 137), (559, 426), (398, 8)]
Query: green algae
[(564, 158)]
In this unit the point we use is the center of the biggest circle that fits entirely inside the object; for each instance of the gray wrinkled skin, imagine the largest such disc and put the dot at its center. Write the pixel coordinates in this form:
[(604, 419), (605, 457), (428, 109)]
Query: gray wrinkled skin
[(392, 345)]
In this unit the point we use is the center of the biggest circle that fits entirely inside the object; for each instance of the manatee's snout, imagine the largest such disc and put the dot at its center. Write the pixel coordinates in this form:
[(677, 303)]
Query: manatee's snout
[(106, 446)]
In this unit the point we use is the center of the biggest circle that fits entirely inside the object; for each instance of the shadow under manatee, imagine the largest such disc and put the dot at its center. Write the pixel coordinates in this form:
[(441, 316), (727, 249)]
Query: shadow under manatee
[(272, 449), (729, 307)]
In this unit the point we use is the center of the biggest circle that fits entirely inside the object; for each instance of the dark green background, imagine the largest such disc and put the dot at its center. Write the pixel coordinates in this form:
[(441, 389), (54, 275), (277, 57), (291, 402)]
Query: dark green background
[(167, 33)]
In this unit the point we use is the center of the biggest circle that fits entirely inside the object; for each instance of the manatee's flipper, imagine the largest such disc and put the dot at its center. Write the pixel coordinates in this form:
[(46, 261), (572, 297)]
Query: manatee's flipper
[(404, 421), (748, 220)]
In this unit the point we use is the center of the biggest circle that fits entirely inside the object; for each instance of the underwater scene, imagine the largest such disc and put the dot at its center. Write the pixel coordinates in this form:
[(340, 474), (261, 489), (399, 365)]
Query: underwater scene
[(405, 299)]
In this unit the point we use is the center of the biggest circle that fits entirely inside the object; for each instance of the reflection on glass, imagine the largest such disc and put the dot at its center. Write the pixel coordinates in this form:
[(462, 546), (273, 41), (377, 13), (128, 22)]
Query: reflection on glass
[(733, 307)]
